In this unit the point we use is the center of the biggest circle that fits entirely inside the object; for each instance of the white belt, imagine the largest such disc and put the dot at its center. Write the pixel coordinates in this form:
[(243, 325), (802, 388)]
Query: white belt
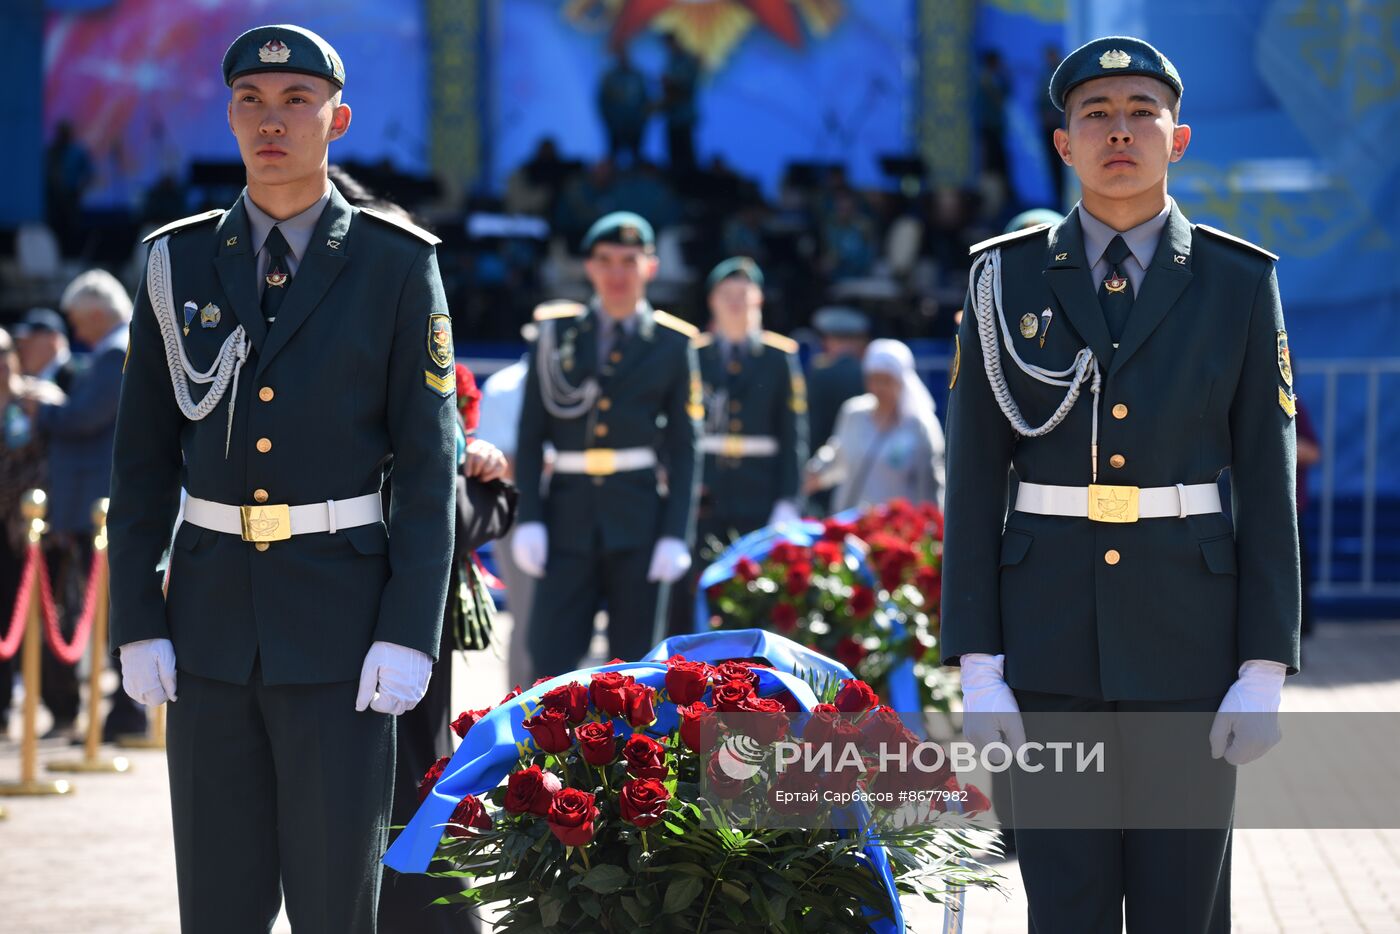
[(1118, 503), (739, 445), (275, 523), (603, 462)]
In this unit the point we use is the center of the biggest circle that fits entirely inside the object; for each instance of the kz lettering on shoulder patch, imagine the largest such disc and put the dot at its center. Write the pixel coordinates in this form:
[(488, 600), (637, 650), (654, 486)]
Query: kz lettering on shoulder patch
[(442, 385), (440, 340)]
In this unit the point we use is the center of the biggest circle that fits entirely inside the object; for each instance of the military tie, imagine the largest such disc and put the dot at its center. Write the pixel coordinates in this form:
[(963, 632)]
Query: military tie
[(279, 276), (1116, 291)]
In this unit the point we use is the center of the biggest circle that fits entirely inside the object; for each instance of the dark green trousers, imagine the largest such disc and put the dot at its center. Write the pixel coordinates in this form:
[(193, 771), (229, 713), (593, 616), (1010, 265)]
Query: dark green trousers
[(576, 580), (278, 789), (1165, 881)]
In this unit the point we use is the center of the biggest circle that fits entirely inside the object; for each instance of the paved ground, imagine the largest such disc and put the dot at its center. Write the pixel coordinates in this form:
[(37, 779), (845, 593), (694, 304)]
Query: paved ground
[(100, 861)]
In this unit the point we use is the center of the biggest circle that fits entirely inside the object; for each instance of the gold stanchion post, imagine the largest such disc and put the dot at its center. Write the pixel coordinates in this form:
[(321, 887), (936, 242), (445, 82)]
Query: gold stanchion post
[(91, 762), (33, 507)]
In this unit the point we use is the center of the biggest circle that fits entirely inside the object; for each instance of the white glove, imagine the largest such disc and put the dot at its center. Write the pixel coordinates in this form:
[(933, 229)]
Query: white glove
[(148, 671), (783, 511), (670, 559), (529, 546), (1246, 726), (393, 679), (990, 713)]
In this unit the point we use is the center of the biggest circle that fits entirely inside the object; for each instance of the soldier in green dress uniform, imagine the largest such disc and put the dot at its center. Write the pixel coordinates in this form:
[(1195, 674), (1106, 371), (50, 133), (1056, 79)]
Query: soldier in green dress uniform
[(286, 354), (1118, 362), (755, 437), (613, 388)]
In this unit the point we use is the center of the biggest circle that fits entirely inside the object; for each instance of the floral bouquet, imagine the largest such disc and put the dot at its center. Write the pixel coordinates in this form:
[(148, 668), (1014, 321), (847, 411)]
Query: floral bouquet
[(863, 589), (624, 805)]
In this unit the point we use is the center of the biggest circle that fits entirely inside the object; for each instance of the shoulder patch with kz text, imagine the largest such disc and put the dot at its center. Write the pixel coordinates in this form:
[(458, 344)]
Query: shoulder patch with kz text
[(440, 340)]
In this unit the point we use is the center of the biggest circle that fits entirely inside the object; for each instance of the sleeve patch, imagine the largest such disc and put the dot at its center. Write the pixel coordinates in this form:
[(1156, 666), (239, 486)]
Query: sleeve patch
[(1288, 402), (440, 340), (1285, 360), (442, 385)]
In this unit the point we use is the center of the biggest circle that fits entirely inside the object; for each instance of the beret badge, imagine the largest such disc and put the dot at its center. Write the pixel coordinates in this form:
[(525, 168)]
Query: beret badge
[(1115, 58), (274, 51)]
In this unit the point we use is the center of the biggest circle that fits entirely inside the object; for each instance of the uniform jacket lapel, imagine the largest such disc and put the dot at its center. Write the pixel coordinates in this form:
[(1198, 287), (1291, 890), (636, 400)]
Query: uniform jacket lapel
[(1166, 279), (314, 275), (643, 332), (1069, 273), (237, 270)]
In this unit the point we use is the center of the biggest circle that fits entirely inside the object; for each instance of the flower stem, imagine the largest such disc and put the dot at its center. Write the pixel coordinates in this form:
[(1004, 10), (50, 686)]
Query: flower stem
[(583, 851), (646, 847)]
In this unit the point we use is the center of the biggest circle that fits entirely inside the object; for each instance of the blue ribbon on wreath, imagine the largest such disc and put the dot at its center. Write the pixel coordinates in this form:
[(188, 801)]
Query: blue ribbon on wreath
[(496, 742)]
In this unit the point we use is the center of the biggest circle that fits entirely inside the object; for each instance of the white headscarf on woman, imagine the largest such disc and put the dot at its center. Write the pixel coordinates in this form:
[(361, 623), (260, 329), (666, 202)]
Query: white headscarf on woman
[(896, 359)]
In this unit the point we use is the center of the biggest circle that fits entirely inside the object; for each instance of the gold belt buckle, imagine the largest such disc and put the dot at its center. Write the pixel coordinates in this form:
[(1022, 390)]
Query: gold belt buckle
[(266, 523), (1117, 504), (600, 462), (733, 446)]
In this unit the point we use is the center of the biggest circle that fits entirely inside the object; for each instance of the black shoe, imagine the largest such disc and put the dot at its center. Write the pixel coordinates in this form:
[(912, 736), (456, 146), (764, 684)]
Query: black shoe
[(65, 730), (123, 725)]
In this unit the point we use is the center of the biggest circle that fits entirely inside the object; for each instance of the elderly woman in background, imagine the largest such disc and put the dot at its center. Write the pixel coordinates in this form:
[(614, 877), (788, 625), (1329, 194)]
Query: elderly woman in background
[(887, 443), (22, 466)]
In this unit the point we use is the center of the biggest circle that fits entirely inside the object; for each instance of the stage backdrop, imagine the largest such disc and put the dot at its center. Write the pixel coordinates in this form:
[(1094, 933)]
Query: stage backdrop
[(784, 79), (140, 81)]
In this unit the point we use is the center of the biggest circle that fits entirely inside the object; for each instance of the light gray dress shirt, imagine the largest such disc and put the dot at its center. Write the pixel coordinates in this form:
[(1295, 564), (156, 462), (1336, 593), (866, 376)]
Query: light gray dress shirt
[(296, 229), (1141, 240)]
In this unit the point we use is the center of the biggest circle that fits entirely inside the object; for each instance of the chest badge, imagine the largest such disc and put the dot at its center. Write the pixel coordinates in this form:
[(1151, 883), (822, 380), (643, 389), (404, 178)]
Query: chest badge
[(1115, 284), (209, 316), (276, 279), (1046, 317), (1029, 326), (191, 309)]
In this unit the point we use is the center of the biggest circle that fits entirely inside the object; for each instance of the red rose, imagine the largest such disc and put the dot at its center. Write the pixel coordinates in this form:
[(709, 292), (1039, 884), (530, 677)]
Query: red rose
[(606, 691), (799, 579), (846, 766), (804, 789), (929, 582), (835, 530), (916, 648), (729, 696), (784, 617), (646, 758), (785, 553), (976, 801), (828, 553), (550, 730), (468, 398), (467, 816), (862, 601), (790, 704), (639, 704), (855, 696), (468, 719), (891, 574), (715, 591), (530, 791), (882, 726), (746, 569), (570, 699), (511, 695), (849, 652), (766, 719), (699, 728), (541, 680), (686, 681), (821, 724), (721, 782), (571, 816), (430, 777), (597, 743), (642, 801), (735, 671)]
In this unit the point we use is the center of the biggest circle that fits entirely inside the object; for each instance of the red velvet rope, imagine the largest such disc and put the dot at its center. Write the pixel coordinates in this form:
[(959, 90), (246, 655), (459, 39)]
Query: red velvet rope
[(69, 652), (10, 644)]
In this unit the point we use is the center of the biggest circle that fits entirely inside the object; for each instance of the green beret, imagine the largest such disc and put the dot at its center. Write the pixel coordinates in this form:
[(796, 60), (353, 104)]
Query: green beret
[(620, 227), (1107, 57), (282, 48), (734, 267)]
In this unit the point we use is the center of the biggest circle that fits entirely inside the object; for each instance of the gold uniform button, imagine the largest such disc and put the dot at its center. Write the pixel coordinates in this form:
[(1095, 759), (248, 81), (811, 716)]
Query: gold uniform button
[(601, 430), (615, 356), (735, 405), (735, 425), (597, 481), (1112, 557), (266, 394), (260, 496), (264, 445), (1118, 460), (1120, 411), (262, 546), (735, 366), (604, 404)]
